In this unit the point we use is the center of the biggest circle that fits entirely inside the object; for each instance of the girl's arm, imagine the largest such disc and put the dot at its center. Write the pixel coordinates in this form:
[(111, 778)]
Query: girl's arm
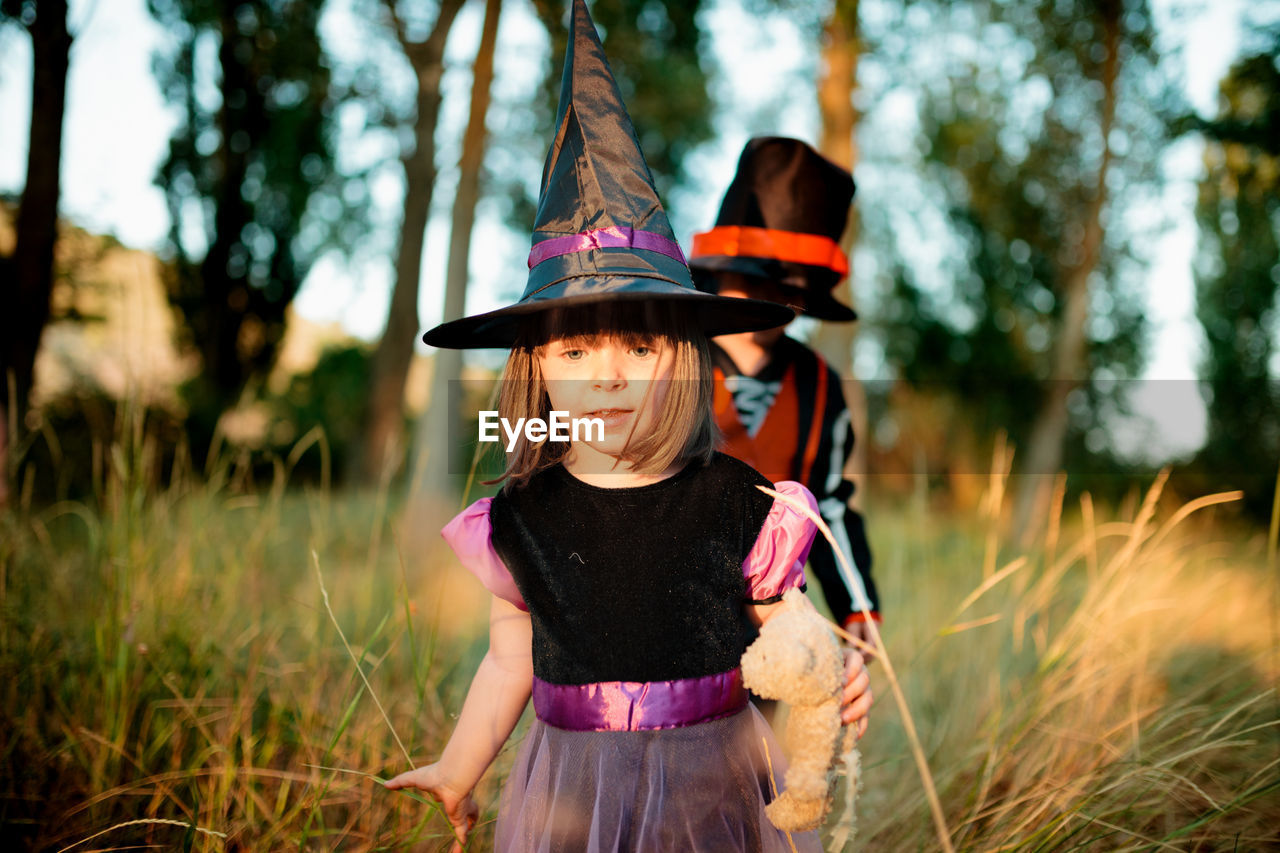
[(856, 701), (494, 703)]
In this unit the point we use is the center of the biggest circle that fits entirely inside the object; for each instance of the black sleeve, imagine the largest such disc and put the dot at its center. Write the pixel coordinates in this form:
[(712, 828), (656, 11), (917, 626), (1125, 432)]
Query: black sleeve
[(822, 562), (829, 486)]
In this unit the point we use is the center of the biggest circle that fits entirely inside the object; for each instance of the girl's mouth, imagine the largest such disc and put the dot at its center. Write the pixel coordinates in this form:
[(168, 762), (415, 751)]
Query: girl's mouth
[(611, 416)]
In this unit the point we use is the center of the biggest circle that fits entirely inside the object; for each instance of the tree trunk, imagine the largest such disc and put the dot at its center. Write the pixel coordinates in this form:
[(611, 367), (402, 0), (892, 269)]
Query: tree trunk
[(395, 351), (438, 429), (1070, 367), (28, 292), (838, 142), (226, 294), (837, 81)]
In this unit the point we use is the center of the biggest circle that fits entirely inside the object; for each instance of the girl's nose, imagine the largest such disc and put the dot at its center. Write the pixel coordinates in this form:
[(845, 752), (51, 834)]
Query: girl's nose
[(609, 371), (616, 384)]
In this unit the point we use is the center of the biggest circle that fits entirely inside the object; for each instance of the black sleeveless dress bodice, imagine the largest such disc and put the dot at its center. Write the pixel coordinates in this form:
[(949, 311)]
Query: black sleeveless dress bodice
[(633, 584)]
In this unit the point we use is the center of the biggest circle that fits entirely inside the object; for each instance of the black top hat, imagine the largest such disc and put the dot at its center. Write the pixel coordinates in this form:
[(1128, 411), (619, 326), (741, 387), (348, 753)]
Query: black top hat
[(781, 219), (600, 233)]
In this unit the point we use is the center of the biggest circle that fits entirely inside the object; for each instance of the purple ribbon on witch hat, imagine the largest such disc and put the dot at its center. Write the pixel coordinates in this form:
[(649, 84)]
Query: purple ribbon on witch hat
[(613, 237)]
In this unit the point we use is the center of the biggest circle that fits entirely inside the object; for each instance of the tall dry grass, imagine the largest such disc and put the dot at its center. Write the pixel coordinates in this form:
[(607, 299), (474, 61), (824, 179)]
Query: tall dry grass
[(1111, 689), (166, 655)]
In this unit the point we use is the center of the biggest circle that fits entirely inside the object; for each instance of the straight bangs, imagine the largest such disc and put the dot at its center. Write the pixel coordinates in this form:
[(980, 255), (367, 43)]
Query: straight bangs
[(683, 429), (632, 323)]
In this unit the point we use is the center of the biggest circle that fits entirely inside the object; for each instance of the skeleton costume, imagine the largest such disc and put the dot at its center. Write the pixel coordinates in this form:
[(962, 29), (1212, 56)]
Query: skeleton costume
[(780, 221)]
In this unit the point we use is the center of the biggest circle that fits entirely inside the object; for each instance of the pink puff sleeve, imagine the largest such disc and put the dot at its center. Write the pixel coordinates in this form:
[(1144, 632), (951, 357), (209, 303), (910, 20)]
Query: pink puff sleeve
[(471, 538), (776, 561)]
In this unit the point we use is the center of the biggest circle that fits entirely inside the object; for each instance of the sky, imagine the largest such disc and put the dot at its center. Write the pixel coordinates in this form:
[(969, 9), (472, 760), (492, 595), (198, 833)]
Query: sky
[(117, 128)]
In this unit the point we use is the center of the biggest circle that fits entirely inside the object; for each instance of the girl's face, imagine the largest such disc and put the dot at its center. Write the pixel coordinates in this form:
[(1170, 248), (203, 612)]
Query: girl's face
[(620, 382)]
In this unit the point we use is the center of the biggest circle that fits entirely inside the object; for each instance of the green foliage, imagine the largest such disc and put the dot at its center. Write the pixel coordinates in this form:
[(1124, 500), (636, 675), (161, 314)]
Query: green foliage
[(334, 396), (250, 178), (1010, 150), (1237, 277), (21, 11)]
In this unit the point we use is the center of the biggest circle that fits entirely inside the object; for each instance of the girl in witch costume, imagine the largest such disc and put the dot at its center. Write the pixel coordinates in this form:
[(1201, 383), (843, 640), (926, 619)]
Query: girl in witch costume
[(626, 569), (778, 405)]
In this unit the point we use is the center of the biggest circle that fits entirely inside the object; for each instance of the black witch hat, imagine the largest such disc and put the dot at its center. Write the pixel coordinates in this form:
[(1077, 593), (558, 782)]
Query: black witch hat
[(781, 219), (601, 233)]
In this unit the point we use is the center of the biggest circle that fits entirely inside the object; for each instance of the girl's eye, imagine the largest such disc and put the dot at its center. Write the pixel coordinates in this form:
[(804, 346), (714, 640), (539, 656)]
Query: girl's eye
[(574, 354), (642, 351)]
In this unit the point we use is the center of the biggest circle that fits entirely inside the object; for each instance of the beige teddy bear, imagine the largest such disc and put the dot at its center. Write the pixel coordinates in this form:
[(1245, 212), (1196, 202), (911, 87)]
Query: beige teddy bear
[(797, 660)]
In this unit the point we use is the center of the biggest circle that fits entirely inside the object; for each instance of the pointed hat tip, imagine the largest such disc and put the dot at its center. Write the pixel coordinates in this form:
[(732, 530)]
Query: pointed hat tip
[(600, 233), (604, 181)]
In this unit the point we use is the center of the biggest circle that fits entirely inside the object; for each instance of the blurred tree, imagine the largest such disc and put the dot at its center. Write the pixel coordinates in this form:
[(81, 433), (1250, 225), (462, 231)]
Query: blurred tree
[(395, 350), (443, 416), (333, 395), (250, 181), (842, 44), (26, 279), (837, 80), (1237, 276), (1041, 136)]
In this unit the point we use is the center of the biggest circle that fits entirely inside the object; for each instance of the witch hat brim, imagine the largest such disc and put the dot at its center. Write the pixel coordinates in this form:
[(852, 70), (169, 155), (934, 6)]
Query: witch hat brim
[(601, 233), (715, 315), (813, 301)]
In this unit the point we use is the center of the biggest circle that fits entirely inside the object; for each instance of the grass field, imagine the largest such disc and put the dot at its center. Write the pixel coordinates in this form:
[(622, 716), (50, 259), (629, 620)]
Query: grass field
[(170, 676)]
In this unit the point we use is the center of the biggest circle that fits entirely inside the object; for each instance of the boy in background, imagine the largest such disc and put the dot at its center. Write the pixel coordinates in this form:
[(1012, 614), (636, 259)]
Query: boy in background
[(778, 404)]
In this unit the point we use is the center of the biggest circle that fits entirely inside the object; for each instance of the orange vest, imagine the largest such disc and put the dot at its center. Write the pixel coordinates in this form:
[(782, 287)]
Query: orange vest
[(776, 451)]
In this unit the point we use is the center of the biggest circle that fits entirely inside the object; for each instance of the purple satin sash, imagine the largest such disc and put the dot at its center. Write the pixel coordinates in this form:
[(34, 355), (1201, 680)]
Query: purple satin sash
[(613, 237), (629, 706)]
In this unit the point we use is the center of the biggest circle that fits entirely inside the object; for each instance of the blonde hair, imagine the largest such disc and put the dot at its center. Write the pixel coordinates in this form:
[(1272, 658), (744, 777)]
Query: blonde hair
[(684, 430)]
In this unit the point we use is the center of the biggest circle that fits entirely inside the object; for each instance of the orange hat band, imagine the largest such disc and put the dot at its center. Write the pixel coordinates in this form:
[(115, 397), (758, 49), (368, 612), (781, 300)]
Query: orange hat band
[(738, 241)]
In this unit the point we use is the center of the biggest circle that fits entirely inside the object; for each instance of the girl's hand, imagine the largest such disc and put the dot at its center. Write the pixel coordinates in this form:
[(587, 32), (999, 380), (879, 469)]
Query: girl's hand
[(461, 810), (855, 702)]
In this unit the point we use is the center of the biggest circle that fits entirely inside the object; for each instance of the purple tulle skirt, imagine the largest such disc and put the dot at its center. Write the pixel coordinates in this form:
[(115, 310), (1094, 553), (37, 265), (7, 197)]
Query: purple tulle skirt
[(696, 788)]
